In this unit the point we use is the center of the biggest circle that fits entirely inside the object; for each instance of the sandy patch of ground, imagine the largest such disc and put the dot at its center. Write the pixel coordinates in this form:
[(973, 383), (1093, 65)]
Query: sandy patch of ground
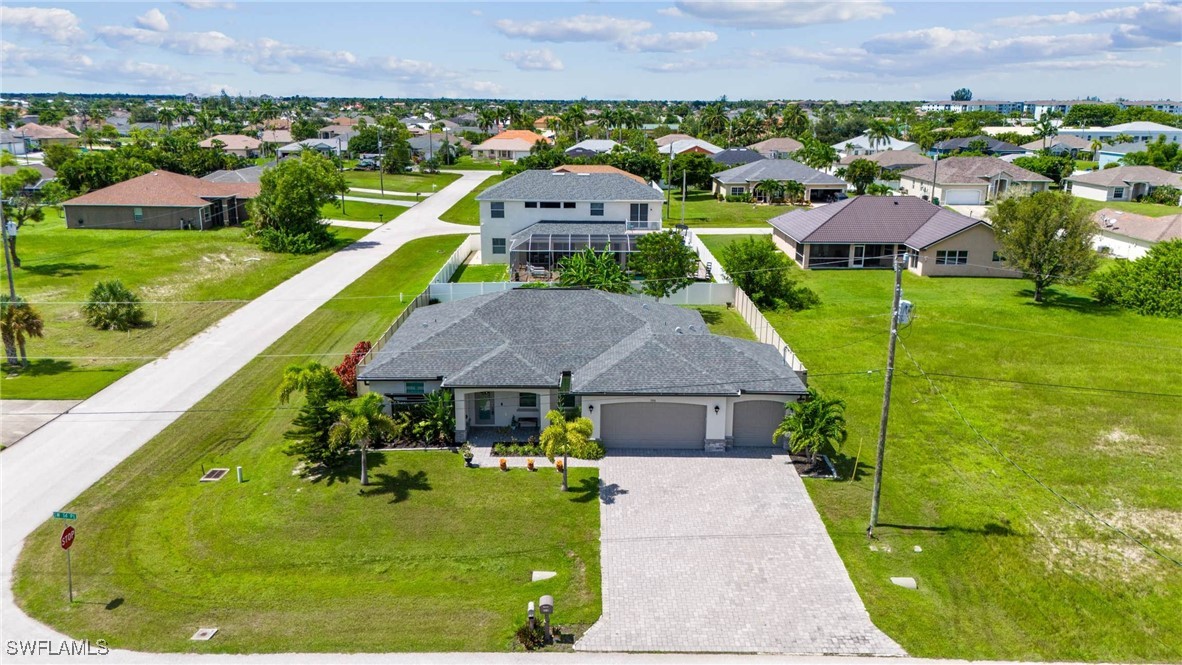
[(1077, 544), (1117, 441)]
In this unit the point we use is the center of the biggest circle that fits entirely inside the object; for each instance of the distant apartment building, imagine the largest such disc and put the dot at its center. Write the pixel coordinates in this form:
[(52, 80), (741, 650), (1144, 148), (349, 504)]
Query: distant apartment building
[(956, 106)]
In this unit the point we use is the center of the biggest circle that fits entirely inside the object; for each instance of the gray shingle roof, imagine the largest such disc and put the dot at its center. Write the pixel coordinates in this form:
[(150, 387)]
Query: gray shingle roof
[(777, 169), (992, 145), (732, 156), (1122, 175), (246, 174), (905, 220), (611, 344), (972, 171), (550, 186)]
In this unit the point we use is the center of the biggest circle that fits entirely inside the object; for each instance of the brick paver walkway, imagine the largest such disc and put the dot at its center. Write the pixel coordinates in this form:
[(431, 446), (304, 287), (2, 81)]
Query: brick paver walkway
[(721, 554)]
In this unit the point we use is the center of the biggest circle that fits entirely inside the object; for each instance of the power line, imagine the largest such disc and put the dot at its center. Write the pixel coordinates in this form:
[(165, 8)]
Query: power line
[(1118, 391)]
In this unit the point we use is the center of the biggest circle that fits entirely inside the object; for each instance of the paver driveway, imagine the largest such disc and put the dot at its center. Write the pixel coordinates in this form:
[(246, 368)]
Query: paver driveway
[(720, 553)]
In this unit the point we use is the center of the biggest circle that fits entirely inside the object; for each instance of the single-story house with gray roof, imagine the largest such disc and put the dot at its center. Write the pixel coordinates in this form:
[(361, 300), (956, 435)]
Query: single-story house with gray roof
[(870, 231), (648, 375), (818, 185), (1121, 183)]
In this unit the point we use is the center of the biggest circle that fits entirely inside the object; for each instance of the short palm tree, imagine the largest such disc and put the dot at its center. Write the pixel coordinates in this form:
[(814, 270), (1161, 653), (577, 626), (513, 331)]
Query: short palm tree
[(1096, 147), (772, 190), (594, 270), (18, 322), (360, 422), (812, 424), (112, 306), (793, 190), (564, 435)]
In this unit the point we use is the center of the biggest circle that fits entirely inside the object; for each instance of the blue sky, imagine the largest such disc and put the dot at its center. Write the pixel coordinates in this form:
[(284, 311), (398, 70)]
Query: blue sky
[(669, 49)]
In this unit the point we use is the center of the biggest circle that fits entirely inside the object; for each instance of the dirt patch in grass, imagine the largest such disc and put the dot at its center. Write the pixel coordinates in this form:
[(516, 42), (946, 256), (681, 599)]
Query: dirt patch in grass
[(1078, 545), (1117, 441)]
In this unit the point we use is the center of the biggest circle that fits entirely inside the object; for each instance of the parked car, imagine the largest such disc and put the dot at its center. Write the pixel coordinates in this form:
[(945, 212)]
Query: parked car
[(366, 165)]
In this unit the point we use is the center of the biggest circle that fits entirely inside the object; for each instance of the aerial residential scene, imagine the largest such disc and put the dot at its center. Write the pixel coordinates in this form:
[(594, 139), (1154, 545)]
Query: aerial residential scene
[(670, 331)]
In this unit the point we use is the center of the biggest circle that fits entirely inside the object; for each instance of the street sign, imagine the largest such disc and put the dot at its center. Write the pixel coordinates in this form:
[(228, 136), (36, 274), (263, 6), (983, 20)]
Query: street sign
[(67, 537), (65, 516)]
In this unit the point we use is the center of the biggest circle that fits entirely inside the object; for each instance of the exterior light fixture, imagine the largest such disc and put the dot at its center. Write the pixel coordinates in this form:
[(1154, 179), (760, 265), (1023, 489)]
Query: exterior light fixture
[(716, 408), (590, 408)]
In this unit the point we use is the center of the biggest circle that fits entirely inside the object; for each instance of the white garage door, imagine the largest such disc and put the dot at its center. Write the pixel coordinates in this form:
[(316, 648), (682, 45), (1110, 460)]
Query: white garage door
[(754, 422), (962, 197), (653, 425)]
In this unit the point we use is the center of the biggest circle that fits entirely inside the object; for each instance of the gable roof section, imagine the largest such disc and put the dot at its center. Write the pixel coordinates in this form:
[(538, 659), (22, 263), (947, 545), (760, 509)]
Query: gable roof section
[(683, 145), (512, 139), (250, 174), (164, 189), (232, 142), (594, 145), (906, 220), (1124, 175), (734, 156), (863, 141), (778, 144), (963, 143), (891, 159), (971, 171), (539, 185), (1069, 140), (42, 132), (665, 140), (597, 168), (776, 169), (1141, 227)]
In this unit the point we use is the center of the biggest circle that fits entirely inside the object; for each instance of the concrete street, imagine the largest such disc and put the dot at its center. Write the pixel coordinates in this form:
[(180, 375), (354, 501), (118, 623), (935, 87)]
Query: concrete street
[(19, 417)]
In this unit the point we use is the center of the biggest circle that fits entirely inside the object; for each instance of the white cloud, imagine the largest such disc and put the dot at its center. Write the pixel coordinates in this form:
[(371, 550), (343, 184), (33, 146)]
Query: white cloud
[(59, 25), (1139, 26), (131, 75), (20, 61), (582, 28), (535, 60), (770, 14), (670, 42), (207, 4), (186, 43), (677, 67), (672, 12), (154, 19)]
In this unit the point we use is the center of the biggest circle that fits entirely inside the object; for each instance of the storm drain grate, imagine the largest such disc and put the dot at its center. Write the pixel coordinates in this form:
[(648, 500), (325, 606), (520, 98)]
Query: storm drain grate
[(204, 634), (214, 475)]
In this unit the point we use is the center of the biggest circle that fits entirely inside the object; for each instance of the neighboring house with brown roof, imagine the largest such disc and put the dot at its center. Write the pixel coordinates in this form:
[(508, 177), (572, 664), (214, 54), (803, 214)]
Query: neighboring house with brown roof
[(161, 200), (665, 140), (234, 144), (11, 143), (1064, 144), (511, 145), (597, 168), (1123, 183), (969, 180), (869, 231), (343, 132), (777, 148), (42, 135), (1128, 235), (276, 137)]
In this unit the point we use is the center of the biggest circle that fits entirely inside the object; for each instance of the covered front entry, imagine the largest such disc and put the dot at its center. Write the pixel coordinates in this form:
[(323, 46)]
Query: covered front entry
[(653, 425), (755, 421)]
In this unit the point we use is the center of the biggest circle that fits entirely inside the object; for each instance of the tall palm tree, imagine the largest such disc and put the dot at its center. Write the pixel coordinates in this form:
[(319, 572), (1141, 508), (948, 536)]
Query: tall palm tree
[(1045, 128), (796, 121), (1097, 146), (486, 118), (574, 119), (18, 322), (564, 435), (812, 424), (878, 133), (166, 115), (713, 119), (360, 422), (609, 119)]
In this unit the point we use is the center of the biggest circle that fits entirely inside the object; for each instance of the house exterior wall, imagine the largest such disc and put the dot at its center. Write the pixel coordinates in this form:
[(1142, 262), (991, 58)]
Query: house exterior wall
[(923, 188), (518, 217), (1106, 158), (123, 217), (393, 387), (724, 189), (1121, 247), (1094, 192), (790, 247), (980, 243), (719, 426), (509, 155), (15, 147)]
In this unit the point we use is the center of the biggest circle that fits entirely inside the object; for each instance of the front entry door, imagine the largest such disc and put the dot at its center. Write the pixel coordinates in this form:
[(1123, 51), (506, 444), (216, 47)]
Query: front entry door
[(859, 256), (485, 414)]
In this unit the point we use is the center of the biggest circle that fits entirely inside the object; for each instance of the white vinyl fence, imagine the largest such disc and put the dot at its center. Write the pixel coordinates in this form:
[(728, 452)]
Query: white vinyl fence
[(707, 257), (765, 333)]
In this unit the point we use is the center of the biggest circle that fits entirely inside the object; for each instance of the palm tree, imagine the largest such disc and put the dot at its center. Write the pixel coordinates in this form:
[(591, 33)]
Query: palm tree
[(574, 119), (713, 119), (772, 190), (360, 422), (1045, 128), (793, 190), (878, 133), (166, 115), (564, 435), (812, 424), (486, 118), (112, 306), (18, 321), (796, 121), (89, 136), (609, 118), (1119, 138), (1096, 147)]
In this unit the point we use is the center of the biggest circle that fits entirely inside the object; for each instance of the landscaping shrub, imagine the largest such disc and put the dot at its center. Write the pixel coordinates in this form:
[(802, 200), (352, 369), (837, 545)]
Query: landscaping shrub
[(737, 198), (589, 449), (531, 639), (347, 370), (764, 273), (1166, 194), (513, 448), (273, 240), (1151, 285), (112, 306)]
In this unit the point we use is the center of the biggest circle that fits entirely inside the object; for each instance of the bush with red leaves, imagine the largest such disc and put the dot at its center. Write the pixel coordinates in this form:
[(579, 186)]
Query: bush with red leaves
[(347, 370)]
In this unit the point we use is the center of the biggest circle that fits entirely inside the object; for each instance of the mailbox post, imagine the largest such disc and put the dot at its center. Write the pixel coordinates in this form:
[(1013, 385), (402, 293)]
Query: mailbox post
[(546, 606), (529, 612)]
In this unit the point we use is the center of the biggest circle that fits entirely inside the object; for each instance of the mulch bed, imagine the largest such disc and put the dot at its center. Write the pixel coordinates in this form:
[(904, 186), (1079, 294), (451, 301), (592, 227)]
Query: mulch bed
[(806, 469)]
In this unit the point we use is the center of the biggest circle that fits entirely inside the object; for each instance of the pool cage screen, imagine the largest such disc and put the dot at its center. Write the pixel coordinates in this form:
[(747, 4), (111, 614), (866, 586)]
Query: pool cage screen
[(544, 250)]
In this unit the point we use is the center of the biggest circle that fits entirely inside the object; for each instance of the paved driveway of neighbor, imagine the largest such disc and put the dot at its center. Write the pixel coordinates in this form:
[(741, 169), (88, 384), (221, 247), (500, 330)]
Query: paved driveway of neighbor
[(721, 554)]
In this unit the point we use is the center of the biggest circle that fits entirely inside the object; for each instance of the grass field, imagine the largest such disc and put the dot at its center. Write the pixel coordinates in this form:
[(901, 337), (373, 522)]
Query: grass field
[(723, 321), (403, 182), (61, 265), (703, 210), (468, 163), (430, 557), (1007, 570), (481, 273), (467, 210), (1148, 209), (362, 211)]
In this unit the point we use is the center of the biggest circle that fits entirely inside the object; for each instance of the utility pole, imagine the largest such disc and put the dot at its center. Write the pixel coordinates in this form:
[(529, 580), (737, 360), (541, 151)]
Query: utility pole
[(7, 257), (381, 163), (935, 170), (669, 184), (900, 261), (341, 170)]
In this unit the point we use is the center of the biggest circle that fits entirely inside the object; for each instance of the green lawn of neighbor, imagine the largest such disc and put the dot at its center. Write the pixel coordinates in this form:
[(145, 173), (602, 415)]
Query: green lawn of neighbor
[(716, 243), (60, 266), (385, 197), (429, 557), (469, 163), (481, 273), (467, 210), (362, 211), (724, 321), (1148, 209), (1082, 165), (703, 210), (1007, 570), (401, 182)]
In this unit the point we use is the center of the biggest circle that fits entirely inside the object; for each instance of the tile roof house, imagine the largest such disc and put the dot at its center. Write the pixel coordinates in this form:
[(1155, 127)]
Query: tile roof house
[(1122, 183), (648, 375), (509, 145), (777, 148), (276, 136), (42, 135), (1128, 235), (665, 140), (597, 168), (234, 144), (968, 180), (869, 231), (689, 145), (818, 185), (992, 146), (161, 200), (618, 204), (862, 145), (736, 156)]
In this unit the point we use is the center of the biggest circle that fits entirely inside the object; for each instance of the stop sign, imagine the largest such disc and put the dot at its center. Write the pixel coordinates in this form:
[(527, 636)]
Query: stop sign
[(67, 538)]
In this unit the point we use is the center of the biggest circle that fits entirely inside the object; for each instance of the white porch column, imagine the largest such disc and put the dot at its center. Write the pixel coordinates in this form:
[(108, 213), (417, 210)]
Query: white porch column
[(461, 398), (544, 406)]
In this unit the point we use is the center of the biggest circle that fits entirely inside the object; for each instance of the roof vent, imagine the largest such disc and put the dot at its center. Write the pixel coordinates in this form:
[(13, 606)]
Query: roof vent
[(583, 174), (558, 173), (678, 330), (896, 202)]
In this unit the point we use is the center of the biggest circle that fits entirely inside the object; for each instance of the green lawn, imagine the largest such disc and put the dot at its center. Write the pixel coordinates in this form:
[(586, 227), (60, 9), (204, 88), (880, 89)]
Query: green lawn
[(467, 210), (431, 557), (1007, 570), (703, 210), (60, 266), (469, 163), (481, 273), (1148, 209), (362, 211), (1085, 165), (716, 243), (723, 321), (403, 182)]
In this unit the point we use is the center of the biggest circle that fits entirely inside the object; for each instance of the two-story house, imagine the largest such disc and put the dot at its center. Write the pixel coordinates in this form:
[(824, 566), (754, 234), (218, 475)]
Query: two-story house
[(534, 219)]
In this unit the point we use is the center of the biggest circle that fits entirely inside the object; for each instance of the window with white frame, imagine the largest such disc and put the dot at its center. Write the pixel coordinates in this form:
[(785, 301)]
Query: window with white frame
[(496, 210), (527, 400), (597, 210), (1118, 193), (638, 212), (738, 191), (498, 245), (952, 257)]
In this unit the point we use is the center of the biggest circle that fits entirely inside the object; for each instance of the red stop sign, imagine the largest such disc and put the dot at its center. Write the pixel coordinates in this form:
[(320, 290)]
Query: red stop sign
[(67, 538)]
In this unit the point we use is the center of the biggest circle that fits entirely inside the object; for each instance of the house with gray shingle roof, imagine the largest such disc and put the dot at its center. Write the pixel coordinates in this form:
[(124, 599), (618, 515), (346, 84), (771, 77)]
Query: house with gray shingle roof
[(818, 185), (870, 231), (969, 180), (648, 375), (1121, 183), (617, 204)]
